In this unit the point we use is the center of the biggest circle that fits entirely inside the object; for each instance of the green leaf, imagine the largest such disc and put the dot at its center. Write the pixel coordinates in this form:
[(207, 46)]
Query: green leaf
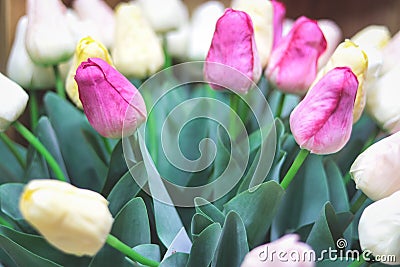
[(10, 170), (209, 210), (232, 245), (204, 246), (257, 208), (97, 144), (175, 260), (9, 197), (150, 251), (199, 223), (337, 190)]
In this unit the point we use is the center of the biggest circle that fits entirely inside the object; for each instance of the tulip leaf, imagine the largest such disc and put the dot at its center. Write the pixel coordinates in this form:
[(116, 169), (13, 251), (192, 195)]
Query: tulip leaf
[(232, 245), (10, 169), (337, 190), (178, 259), (36, 165), (9, 195), (264, 201), (97, 144), (209, 210), (199, 223), (150, 251), (204, 246)]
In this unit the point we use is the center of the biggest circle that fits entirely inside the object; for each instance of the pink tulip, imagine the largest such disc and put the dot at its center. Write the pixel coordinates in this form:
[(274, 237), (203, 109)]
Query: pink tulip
[(111, 103), (279, 17), (293, 63), (322, 122), (233, 49)]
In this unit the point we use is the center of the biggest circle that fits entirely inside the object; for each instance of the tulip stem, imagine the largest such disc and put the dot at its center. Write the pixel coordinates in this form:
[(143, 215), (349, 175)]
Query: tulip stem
[(59, 83), (11, 146), (358, 203), (167, 57), (280, 105), (34, 109), (129, 252), (357, 262), (34, 141), (107, 145), (234, 104), (298, 161)]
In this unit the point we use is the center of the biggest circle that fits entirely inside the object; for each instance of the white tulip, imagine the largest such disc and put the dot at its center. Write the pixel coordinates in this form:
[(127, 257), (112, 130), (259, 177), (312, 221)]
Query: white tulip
[(391, 54), (333, 35)]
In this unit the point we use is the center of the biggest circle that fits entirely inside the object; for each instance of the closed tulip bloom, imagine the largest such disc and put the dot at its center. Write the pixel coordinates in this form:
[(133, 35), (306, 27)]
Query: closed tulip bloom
[(177, 42), (13, 100), (333, 36), (262, 16), (76, 221), (293, 63), (86, 48), (48, 38), (111, 103), (81, 28), (375, 171), (233, 45), (279, 18), (101, 15), (296, 254), (322, 121), (137, 50), (379, 228), (348, 54), (33, 76), (391, 54), (202, 27)]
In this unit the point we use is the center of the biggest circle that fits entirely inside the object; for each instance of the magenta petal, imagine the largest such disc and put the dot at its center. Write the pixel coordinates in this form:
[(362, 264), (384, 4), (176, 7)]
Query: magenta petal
[(279, 17), (233, 45), (111, 103), (322, 122)]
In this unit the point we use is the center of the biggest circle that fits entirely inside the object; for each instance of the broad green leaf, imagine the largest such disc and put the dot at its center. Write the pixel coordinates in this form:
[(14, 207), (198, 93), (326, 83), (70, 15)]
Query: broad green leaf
[(337, 190), (209, 210), (97, 144), (9, 199), (10, 169), (150, 251), (199, 223), (175, 260)]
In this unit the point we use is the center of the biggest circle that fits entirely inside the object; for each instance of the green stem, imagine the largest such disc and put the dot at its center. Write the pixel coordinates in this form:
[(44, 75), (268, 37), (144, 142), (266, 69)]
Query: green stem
[(357, 263), (153, 138), (168, 59), (234, 104), (298, 161), (280, 105), (107, 145), (31, 138), (358, 203), (59, 82), (34, 109), (11, 146), (129, 252)]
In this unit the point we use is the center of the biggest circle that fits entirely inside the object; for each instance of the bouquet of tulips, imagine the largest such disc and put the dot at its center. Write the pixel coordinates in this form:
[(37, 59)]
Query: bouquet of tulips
[(236, 137)]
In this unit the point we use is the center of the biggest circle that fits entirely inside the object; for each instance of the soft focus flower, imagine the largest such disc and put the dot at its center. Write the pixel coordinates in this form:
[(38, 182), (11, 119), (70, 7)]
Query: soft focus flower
[(233, 45), (81, 28), (261, 13), (375, 171), (137, 50), (278, 21), (391, 54), (293, 63), (111, 103), (76, 221), (333, 36), (383, 100), (322, 121), (164, 15), (20, 67), (13, 100), (202, 29), (48, 38), (86, 48), (298, 254), (177, 42), (348, 54), (379, 228), (101, 14)]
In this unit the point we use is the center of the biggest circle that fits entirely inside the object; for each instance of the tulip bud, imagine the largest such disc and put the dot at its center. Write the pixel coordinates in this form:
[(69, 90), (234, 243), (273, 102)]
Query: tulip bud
[(375, 171), (322, 121), (293, 63), (32, 76), (76, 221), (202, 28), (13, 100), (233, 45), (86, 48), (348, 54), (111, 103), (391, 54), (333, 36), (102, 17), (164, 15), (137, 50), (48, 38), (177, 42), (286, 251), (279, 18), (379, 228), (262, 16)]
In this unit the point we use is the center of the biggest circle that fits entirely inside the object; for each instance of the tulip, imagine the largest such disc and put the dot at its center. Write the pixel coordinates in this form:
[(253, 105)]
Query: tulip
[(379, 228), (101, 15), (348, 54), (375, 171), (293, 63), (13, 101), (32, 76), (262, 16), (164, 15), (177, 42), (322, 121), (86, 48), (233, 46), (81, 28), (279, 18), (286, 251), (137, 50), (202, 28), (48, 38), (391, 54), (333, 36), (76, 221), (111, 103)]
